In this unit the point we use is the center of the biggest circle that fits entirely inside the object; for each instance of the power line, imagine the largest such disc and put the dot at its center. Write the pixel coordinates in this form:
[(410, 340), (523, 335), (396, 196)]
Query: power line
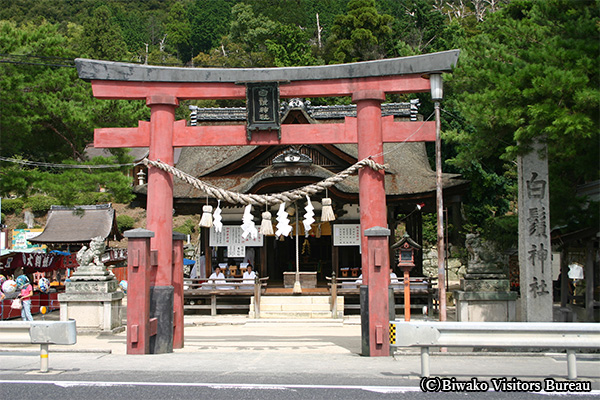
[(66, 166)]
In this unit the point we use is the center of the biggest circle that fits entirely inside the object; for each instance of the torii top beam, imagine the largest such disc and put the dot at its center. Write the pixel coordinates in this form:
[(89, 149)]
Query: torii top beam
[(112, 80), (91, 70)]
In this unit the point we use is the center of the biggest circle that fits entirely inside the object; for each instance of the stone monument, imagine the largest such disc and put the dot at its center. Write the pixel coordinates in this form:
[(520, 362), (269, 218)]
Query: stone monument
[(485, 289), (91, 296), (535, 255)]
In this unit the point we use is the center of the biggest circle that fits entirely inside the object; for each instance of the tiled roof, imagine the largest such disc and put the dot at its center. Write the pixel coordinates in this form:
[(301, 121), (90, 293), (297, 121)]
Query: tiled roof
[(79, 224)]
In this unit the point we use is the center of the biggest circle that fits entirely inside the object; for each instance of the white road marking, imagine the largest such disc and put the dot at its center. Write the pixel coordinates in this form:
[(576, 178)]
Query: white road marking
[(248, 386), (252, 386)]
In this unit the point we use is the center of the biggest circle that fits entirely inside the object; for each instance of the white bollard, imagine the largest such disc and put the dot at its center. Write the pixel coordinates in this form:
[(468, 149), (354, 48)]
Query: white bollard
[(571, 364), (44, 357), (424, 361)]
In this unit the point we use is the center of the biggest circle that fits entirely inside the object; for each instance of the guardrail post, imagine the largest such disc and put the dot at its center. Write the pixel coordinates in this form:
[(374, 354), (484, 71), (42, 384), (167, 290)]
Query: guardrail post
[(571, 364), (178, 323), (424, 362), (138, 291), (44, 357)]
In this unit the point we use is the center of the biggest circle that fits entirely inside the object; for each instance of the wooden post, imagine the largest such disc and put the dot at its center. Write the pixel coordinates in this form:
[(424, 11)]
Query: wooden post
[(178, 323), (373, 213), (333, 295), (378, 291), (160, 184), (440, 216), (138, 290), (257, 290), (406, 295)]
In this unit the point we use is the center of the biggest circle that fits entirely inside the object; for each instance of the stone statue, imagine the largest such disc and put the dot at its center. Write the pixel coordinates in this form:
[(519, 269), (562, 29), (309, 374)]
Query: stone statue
[(90, 262), (484, 293), (85, 256), (91, 296), (483, 256)]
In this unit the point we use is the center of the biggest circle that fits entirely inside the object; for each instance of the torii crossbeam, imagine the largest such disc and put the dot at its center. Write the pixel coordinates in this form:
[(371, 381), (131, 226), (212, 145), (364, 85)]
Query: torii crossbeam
[(366, 82)]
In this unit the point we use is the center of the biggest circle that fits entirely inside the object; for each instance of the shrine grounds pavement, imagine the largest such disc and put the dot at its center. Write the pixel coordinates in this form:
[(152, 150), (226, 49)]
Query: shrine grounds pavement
[(234, 348)]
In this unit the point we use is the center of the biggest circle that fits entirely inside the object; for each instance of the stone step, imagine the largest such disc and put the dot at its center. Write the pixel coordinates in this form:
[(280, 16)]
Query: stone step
[(294, 307), (294, 300), (295, 314)]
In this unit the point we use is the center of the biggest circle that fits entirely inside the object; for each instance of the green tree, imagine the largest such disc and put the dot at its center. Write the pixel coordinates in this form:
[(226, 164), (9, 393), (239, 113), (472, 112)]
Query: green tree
[(361, 34), (80, 186), (46, 112), (250, 30), (289, 46), (179, 31), (102, 36), (417, 27), (209, 22), (533, 73)]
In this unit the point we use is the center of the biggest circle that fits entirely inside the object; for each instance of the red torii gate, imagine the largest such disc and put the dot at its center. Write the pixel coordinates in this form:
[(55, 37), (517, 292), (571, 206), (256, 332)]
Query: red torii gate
[(163, 87)]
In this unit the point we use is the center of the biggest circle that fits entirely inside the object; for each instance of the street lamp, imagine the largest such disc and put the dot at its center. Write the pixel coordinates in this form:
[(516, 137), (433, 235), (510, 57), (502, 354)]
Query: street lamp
[(437, 87), (437, 93), (406, 261)]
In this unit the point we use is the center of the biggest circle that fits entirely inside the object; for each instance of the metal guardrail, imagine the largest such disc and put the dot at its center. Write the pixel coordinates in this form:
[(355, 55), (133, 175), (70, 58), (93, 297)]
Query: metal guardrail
[(43, 333), (514, 335)]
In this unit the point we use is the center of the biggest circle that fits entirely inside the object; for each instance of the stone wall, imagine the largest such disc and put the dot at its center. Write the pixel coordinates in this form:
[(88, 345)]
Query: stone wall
[(456, 267)]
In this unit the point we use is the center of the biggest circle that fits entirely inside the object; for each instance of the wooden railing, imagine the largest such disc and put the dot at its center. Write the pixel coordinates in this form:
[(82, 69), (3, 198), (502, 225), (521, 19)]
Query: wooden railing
[(421, 288), (220, 295)]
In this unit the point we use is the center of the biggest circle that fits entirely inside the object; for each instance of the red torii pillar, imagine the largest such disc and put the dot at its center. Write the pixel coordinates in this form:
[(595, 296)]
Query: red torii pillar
[(366, 82)]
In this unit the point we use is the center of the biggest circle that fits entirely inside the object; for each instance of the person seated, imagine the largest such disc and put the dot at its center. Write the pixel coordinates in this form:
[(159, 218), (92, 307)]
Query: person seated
[(249, 275), (217, 277), (393, 278), (359, 280)]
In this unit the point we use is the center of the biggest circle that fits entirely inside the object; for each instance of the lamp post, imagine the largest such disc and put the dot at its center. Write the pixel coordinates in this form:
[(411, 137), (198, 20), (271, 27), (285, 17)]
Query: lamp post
[(406, 261), (437, 93)]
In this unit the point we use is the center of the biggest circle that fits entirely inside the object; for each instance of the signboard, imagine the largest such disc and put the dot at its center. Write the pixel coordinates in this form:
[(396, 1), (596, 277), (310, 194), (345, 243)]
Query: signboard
[(262, 100), (346, 235), (30, 262), (236, 251), (231, 235), (20, 239)]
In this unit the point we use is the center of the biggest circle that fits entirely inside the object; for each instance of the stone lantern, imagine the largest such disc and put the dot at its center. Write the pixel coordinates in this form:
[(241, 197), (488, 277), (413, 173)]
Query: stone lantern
[(406, 261)]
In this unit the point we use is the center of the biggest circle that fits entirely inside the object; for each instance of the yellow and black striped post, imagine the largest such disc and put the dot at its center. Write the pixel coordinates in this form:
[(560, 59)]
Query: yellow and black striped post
[(392, 333)]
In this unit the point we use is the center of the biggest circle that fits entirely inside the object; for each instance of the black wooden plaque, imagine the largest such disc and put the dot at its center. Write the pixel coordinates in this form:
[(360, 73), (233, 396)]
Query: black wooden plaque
[(262, 103)]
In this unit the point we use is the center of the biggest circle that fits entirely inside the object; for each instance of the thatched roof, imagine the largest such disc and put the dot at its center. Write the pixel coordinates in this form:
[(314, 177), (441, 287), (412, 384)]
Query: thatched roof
[(79, 224)]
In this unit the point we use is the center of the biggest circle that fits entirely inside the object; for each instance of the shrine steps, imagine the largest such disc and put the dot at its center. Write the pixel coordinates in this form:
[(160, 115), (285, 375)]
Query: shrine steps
[(296, 307)]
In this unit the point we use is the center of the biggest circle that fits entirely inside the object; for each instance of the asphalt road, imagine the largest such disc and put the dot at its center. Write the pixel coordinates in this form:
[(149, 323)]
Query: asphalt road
[(244, 360), (184, 389)]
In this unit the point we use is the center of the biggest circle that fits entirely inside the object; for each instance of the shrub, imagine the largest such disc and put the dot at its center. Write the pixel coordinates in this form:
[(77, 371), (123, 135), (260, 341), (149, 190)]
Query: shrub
[(40, 205), (125, 222), (22, 225), (89, 198), (2, 218), (187, 228), (13, 206)]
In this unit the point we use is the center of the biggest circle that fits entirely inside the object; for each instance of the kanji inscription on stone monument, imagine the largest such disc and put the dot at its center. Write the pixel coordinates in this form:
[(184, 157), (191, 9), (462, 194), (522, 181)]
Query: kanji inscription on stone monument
[(534, 236)]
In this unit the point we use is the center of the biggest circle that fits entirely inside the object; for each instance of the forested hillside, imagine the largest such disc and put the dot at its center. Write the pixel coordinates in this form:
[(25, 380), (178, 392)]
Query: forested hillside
[(528, 69)]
